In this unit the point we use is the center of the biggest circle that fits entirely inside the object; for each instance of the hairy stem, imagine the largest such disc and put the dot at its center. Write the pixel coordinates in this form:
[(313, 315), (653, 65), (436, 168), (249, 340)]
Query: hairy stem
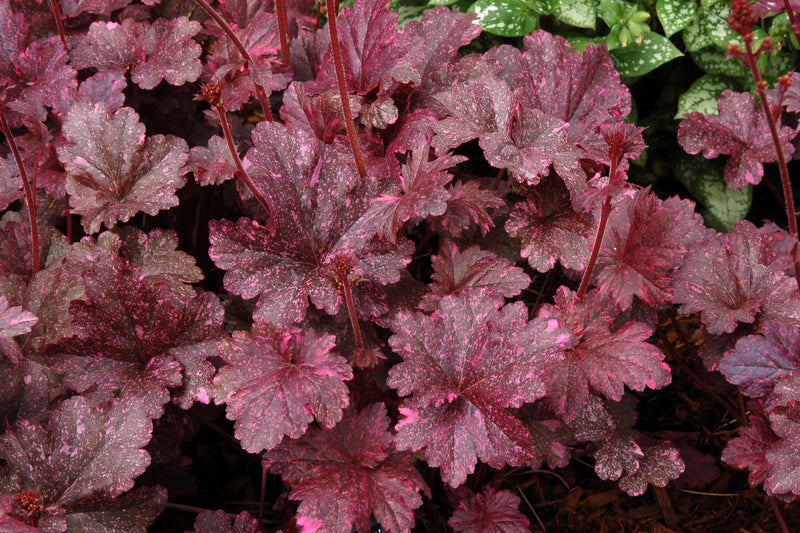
[(283, 30), (56, 9), (260, 93), (348, 114), (29, 197), (241, 172)]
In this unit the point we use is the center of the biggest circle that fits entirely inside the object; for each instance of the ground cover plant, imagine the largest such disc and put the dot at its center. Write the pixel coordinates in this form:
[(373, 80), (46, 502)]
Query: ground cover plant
[(389, 268)]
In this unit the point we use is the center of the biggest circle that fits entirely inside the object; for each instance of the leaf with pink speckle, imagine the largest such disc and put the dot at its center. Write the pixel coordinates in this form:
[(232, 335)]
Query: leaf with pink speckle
[(465, 366), (14, 320), (277, 382), (222, 522), (344, 474), (661, 464), (740, 131), (110, 46), (113, 170), (491, 511), (170, 54)]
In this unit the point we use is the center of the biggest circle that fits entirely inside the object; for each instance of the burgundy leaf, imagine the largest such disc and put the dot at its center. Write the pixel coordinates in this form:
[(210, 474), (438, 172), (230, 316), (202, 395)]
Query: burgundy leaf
[(601, 359), (457, 271), (465, 365), (171, 54), (344, 474), (549, 227), (214, 164), (135, 337), (113, 170), (618, 455), (468, 204), (110, 46), (726, 279), (80, 450), (661, 464), (749, 449), (13, 321), (645, 242), (759, 361), (489, 512), (220, 522), (278, 382), (132, 512), (741, 131)]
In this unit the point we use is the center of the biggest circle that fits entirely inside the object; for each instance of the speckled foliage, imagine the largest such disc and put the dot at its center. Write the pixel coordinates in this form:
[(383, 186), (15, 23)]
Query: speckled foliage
[(374, 333)]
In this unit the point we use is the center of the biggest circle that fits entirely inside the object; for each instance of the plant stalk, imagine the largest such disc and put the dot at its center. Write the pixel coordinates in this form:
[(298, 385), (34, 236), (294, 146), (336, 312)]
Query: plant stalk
[(29, 197), (339, 66), (351, 311), (241, 172), (283, 29), (56, 8), (260, 93)]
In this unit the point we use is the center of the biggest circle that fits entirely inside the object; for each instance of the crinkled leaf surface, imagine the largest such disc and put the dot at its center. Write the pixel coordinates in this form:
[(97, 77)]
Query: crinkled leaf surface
[(315, 196), (464, 366), (601, 359), (110, 46), (14, 320), (739, 130), (171, 54), (726, 279), (491, 511), (113, 170), (759, 361), (749, 449), (132, 512), (344, 474), (139, 338), (645, 242), (468, 204), (457, 271), (212, 165), (549, 227), (222, 522), (80, 450), (277, 382), (661, 464)]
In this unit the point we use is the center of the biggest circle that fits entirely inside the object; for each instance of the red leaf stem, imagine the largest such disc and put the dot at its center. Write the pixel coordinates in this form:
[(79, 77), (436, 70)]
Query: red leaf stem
[(601, 229), (283, 29), (348, 114), (260, 93), (29, 198), (792, 18), (242, 173), (351, 311), (56, 8)]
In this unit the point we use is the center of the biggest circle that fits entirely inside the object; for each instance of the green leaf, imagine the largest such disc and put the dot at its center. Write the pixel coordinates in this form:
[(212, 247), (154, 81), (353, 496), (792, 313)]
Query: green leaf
[(638, 59), (579, 13), (614, 12), (675, 15), (509, 18), (695, 37), (704, 179), (702, 96), (712, 60)]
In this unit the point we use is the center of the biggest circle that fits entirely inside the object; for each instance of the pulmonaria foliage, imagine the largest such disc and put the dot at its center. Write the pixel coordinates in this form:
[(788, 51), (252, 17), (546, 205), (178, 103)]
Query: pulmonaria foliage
[(277, 382), (741, 131), (604, 358), (345, 474), (492, 511), (113, 171), (465, 367), (732, 278)]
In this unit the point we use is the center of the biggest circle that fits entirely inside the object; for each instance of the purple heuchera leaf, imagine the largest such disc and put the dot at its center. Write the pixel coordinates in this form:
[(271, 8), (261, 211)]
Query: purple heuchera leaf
[(140, 339), (600, 359), (110, 46), (468, 204), (645, 242), (492, 511), (457, 271), (171, 54), (726, 279), (212, 165), (14, 320), (113, 170), (759, 361), (549, 227), (465, 365), (345, 474), (277, 382), (222, 522), (661, 464), (741, 131), (79, 451)]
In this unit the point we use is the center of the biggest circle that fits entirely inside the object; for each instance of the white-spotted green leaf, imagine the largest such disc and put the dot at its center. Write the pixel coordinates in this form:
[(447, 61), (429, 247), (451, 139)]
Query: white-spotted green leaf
[(615, 12), (581, 13), (509, 18), (695, 37), (639, 59), (712, 60), (723, 207), (675, 15), (702, 96)]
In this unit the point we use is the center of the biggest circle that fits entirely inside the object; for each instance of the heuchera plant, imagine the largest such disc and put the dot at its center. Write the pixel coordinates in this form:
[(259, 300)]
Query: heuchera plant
[(363, 318)]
